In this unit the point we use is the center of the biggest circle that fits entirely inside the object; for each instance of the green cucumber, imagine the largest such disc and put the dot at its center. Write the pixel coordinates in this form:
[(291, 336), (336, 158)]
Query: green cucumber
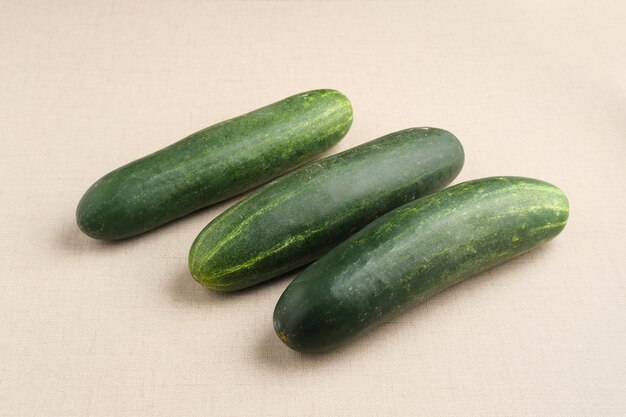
[(414, 252), (213, 164), (300, 216)]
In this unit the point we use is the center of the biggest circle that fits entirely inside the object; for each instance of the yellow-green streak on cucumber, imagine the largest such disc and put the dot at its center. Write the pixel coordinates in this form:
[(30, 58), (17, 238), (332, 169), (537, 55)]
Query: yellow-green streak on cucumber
[(300, 216), (213, 164), (414, 252)]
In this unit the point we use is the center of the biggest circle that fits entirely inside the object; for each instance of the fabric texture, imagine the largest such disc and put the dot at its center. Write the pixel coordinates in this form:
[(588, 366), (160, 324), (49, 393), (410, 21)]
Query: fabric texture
[(89, 328)]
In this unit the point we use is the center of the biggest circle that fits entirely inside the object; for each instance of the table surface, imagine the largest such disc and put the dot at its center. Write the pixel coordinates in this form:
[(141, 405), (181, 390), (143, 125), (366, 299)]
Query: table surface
[(120, 329)]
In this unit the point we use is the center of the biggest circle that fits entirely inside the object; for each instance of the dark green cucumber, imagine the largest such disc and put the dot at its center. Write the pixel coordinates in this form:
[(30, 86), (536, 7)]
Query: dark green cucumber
[(213, 164), (296, 218), (414, 252)]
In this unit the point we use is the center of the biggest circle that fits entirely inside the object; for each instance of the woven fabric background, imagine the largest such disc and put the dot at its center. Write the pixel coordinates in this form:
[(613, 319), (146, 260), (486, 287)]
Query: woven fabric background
[(120, 329)]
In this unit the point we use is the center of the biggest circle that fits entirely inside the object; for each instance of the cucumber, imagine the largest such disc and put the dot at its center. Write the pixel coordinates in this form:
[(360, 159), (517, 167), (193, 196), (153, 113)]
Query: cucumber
[(414, 252), (213, 164), (298, 217)]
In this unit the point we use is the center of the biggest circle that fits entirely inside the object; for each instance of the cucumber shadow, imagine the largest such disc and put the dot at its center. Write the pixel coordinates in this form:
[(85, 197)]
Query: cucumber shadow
[(184, 290), (271, 353)]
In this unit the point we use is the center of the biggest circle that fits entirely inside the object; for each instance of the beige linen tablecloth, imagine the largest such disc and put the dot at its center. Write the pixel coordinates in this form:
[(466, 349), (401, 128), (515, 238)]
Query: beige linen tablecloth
[(120, 329)]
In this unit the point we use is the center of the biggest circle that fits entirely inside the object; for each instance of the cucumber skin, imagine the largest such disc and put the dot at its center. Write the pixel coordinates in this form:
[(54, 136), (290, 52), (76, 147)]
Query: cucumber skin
[(213, 165), (298, 217), (414, 252)]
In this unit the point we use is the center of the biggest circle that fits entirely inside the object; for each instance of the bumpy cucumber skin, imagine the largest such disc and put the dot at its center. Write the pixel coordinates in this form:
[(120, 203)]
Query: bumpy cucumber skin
[(213, 164), (414, 252), (296, 218)]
